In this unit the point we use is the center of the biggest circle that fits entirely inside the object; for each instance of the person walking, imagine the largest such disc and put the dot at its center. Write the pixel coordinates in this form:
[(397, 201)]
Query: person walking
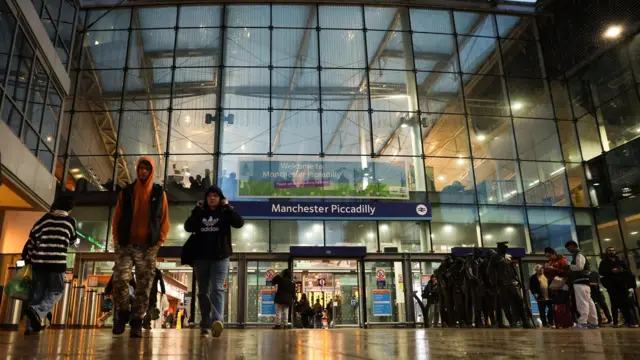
[(46, 251), (619, 282), (211, 222), (153, 313), (579, 278), (539, 288), (140, 226), (557, 274), (284, 298), (304, 309), (598, 299), (430, 294)]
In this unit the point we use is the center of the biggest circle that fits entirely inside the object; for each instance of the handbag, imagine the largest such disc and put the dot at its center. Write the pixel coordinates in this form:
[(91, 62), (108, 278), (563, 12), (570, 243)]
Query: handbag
[(107, 305), (19, 286), (558, 283)]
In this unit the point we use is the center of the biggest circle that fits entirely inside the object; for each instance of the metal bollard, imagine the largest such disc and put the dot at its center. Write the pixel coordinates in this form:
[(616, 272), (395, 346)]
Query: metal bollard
[(10, 309), (77, 305), (90, 311), (61, 310)]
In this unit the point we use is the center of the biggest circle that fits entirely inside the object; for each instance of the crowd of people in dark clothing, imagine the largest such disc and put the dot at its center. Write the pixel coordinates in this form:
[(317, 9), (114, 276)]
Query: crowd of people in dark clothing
[(568, 293)]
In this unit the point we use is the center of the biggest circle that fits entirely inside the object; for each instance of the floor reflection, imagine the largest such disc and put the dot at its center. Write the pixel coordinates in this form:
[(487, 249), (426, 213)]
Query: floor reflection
[(394, 344)]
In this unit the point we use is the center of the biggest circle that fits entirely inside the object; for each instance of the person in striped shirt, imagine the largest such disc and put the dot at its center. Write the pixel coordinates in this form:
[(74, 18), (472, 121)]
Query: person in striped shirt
[(46, 251)]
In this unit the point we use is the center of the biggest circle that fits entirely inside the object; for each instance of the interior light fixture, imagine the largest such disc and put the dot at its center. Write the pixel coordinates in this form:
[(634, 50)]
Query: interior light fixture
[(634, 233), (447, 228), (607, 239), (96, 42), (481, 137), (384, 227), (613, 32), (534, 183), (488, 237), (516, 105), (460, 161), (596, 184), (557, 171), (49, 138), (440, 177), (509, 229), (370, 235), (404, 125)]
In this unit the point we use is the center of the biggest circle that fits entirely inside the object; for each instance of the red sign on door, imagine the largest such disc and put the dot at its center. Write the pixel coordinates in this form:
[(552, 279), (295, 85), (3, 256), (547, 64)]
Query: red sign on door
[(380, 274), (270, 274)]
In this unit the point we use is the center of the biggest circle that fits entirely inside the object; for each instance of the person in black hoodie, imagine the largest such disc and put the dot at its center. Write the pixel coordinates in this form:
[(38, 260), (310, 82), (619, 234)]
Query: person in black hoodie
[(620, 284), (211, 222), (284, 298)]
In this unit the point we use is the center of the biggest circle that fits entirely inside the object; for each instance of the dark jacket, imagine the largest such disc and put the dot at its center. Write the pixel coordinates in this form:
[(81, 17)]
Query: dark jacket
[(125, 208), (430, 291), (619, 281), (212, 232), (286, 289), (534, 286)]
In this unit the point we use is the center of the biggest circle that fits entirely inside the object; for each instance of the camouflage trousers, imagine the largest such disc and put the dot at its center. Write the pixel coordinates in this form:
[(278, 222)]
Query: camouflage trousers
[(144, 260)]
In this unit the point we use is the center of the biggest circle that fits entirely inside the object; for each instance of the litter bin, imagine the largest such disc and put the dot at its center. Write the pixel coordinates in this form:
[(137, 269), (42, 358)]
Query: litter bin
[(90, 311), (10, 309), (77, 306), (61, 310)]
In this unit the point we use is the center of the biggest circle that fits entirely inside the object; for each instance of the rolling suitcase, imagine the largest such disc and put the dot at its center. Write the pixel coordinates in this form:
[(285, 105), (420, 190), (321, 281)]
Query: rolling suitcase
[(562, 316)]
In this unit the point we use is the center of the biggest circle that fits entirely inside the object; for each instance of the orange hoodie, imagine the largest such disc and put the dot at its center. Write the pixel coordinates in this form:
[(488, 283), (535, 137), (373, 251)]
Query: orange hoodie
[(141, 195)]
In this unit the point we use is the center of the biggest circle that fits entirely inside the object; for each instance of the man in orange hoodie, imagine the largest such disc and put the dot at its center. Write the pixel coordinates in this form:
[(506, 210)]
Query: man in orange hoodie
[(140, 226)]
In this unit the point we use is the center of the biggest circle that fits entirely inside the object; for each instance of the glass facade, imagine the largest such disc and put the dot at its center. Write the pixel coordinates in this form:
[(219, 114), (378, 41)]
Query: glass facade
[(30, 103), (494, 145), (59, 19)]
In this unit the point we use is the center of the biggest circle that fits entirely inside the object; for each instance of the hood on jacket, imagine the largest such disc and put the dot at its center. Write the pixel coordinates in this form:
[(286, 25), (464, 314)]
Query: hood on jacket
[(147, 185), (216, 190)]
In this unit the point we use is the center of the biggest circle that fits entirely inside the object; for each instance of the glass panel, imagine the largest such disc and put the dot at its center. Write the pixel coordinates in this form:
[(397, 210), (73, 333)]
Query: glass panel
[(247, 15), (178, 214), (246, 47), (577, 185), (293, 16), (545, 184), (569, 141), (286, 49), (521, 58), (49, 129), (130, 171), (608, 227), (45, 155), (393, 272), (246, 88), (11, 116), (30, 139), (256, 282), (391, 91), (296, 132), (561, 101), (404, 235), (35, 104), (340, 88), (586, 232), (537, 140), (65, 24), (190, 132), (92, 173), (188, 178), (440, 92), (589, 138), (435, 21), (252, 237), (109, 19), (20, 70), (198, 43), (143, 132), (107, 50), (491, 137), (478, 24), (156, 17), (498, 182), (433, 52), (352, 233), (348, 132), (445, 135), (7, 27), (248, 134), (450, 180), (634, 52), (92, 227), (342, 49), (487, 96), (285, 233), (84, 140), (550, 228), (340, 17), (379, 18), (453, 226), (529, 98), (199, 16), (620, 119), (513, 26), (479, 55), (629, 211), (503, 224), (609, 75)]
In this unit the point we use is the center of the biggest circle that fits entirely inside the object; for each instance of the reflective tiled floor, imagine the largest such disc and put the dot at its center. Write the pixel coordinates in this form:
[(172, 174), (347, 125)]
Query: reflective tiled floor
[(388, 344)]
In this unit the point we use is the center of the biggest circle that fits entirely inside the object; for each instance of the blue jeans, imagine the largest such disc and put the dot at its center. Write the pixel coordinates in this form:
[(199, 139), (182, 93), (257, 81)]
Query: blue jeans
[(46, 290), (210, 277)]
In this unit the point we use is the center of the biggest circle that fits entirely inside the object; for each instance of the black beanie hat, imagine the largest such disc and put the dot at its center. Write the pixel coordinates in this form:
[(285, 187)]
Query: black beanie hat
[(63, 202), (214, 189)]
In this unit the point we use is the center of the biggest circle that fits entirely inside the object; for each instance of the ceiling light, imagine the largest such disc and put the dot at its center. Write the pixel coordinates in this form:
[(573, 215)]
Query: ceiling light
[(96, 42), (557, 171), (460, 161), (308, 234), (180, 227), (182, 235), (638, 130), (370, 235), (607, 239), (188, 144), (49, 138), (447, 228), (490, 198), (481, 137), (317, 227), (404, 125), (248, 227), (613, 32), (384, 227), (534, 183), (74, 171), (440, 177), (509, 229), (516, 105), (488, 237), (596, 184), (634, 233)]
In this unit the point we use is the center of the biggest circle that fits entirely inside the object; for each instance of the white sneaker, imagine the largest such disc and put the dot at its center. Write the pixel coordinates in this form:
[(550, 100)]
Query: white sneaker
[(217, 329)]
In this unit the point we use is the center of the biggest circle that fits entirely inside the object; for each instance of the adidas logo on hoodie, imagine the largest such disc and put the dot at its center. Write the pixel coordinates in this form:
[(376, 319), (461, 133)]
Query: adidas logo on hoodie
[(210, 224)]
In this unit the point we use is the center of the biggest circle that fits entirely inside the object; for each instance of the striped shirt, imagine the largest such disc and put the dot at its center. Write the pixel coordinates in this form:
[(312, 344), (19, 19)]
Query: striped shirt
[(49, 240)]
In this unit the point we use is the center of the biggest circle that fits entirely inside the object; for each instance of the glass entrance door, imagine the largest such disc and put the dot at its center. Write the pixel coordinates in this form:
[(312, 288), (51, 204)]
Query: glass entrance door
[(332, 288)]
